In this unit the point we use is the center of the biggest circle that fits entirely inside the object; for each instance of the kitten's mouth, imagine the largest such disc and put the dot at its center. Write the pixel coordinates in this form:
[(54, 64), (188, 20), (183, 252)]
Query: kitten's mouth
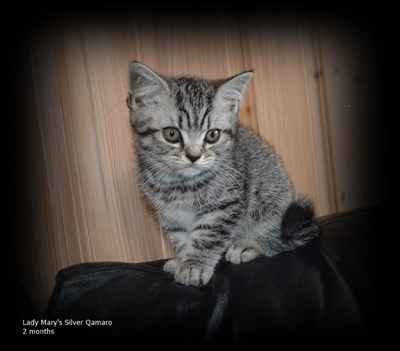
[(190, 171)]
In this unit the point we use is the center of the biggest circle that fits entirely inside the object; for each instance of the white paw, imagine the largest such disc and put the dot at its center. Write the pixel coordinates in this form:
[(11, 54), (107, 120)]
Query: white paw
[(240, 254), (189, 274), (170, 266)]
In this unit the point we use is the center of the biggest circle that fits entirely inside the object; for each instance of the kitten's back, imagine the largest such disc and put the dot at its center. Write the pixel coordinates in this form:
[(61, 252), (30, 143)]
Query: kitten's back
[(260, 162)]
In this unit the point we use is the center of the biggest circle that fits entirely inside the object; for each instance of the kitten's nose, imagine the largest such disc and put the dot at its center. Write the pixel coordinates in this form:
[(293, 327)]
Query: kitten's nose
[(192, 158), (193, 152)]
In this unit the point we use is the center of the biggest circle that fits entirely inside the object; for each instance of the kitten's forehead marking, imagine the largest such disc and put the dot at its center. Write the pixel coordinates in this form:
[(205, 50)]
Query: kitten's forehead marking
[(194, 100)]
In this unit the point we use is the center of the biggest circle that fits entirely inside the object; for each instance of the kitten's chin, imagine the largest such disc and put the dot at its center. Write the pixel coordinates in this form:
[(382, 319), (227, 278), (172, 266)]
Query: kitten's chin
[(189, 171)]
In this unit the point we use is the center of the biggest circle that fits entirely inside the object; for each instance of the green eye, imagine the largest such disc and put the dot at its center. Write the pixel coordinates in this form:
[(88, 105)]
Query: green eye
[(172, 135), (212, 136)]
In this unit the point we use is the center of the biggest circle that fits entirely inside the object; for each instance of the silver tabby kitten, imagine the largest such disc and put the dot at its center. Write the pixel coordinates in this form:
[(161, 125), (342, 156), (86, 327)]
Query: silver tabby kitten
[(218, 188)]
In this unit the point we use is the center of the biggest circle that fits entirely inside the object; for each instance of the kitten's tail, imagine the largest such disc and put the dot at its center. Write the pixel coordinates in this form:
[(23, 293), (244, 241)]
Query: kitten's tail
[(298, 224)]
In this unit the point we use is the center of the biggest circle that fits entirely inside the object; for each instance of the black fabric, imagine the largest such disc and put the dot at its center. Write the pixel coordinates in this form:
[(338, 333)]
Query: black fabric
[(332, 290), (19, 307)]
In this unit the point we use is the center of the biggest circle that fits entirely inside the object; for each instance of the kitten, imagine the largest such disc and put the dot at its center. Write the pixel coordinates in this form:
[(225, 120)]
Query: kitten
[(218, 188)]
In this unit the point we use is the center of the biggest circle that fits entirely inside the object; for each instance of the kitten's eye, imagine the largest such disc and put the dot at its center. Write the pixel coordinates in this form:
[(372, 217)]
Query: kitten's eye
[(172, 135), (212, 136)]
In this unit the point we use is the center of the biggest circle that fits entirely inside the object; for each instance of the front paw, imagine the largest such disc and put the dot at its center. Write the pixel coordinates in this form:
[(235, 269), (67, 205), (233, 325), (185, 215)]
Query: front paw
[(170, 266), (196, 275), (241, 252)]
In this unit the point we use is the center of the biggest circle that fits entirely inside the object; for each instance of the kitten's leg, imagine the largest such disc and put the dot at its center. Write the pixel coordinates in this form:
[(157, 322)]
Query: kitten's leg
[(260, 239), (244, 250), (202, 251), (177, 238), (277, 232)]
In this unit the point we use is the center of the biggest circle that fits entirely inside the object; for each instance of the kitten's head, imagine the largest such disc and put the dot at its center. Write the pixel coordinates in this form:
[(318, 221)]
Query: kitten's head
[(185, 125)]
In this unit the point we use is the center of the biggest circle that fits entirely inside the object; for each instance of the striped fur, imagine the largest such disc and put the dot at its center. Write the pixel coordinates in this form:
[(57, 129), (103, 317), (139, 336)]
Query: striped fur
[(230, 198)]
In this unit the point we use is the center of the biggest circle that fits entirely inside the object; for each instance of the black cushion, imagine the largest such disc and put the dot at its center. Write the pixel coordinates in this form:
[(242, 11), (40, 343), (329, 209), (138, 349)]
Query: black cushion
[(330, 291)]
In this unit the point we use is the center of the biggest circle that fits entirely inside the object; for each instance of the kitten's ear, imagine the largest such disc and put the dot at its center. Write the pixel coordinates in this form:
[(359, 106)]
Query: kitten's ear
[(146, 86), (230, 91)]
